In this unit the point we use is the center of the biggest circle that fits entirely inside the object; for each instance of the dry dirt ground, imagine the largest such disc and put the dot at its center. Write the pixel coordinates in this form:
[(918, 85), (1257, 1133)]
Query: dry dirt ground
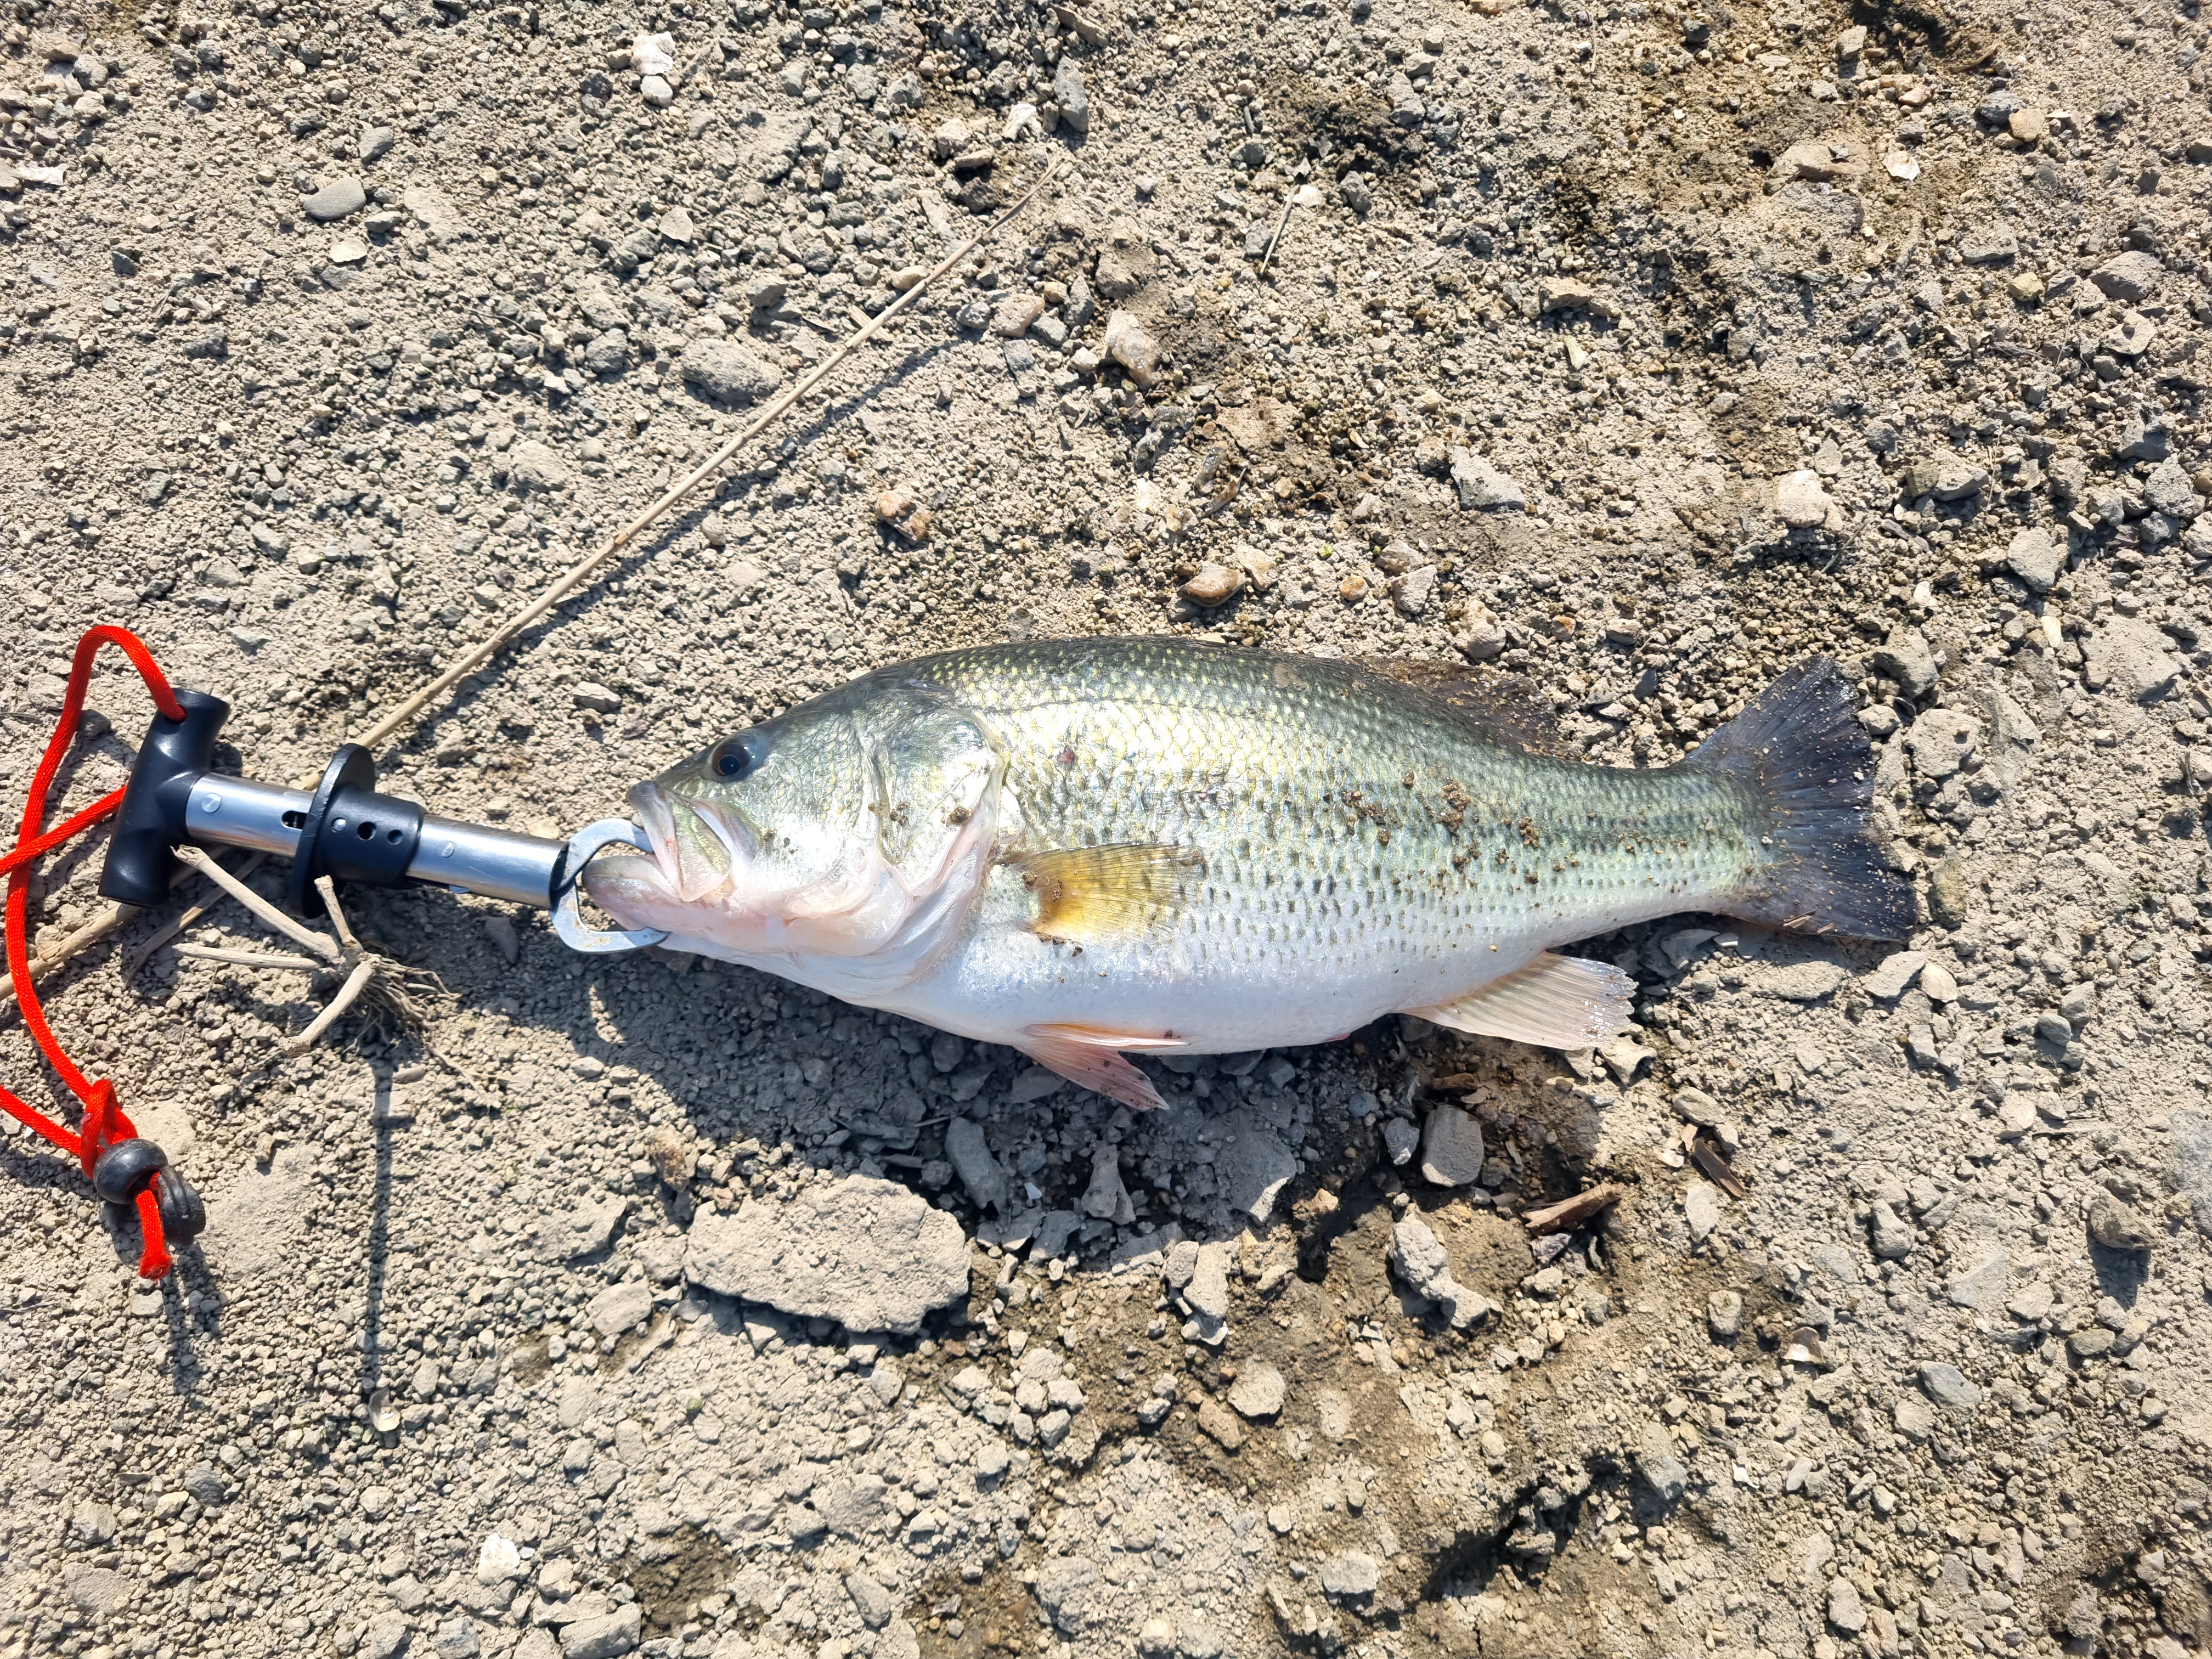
[(646, 1305)]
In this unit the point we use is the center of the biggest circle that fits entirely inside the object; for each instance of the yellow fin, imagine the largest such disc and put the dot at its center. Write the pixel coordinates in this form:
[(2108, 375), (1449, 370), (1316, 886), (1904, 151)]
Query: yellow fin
[(1555, 1002), (1098, 895)]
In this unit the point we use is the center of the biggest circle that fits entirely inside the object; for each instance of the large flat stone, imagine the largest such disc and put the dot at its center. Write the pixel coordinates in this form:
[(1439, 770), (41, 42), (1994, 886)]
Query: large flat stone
[(867, 1253)]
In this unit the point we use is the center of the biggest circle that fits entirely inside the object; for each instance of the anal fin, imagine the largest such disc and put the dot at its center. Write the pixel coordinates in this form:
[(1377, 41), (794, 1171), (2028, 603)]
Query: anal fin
[(1091, 1056), (1555, 1002)]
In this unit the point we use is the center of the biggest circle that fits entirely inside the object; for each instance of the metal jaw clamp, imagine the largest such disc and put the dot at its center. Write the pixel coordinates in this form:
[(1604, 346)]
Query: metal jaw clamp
[(344, 829)]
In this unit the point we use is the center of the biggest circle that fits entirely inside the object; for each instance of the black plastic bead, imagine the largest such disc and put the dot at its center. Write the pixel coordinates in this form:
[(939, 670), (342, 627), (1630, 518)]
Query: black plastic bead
[(184, 1217), (122, 1170)]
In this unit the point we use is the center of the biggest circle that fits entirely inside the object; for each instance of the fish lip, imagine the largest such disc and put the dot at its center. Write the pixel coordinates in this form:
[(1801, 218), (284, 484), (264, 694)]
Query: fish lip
[(656, 815), (657, 808)]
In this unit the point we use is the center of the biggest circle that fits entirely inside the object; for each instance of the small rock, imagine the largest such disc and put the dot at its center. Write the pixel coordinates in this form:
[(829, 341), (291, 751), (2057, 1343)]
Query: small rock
[(725, 371), (980, 1172), (1893, 1237), (868, 1254), (1845, 1610), (2029, 125), (1353, 1574), (1893, 975), (606, 1637), (534, 466), (375, 143), (1258, 1391), (2193, 1165), (1905, 658), (1724, 1314), (1222, 1425), (1947, 1387), (1480, 485), (1128, 345), (2117, 1227), (1107, 1199), (1214, 584), (599, 699), (1799, 501), (871, 1599), (2130, 337), (1989, 244), (1661, 1464), (1401, 1140), (2130, 277), (619, 1308), (1421, 1261), (1016, 313), (335, 200), (1451, 1147), (2038, 556), (1701, 1208), (1069, 93)]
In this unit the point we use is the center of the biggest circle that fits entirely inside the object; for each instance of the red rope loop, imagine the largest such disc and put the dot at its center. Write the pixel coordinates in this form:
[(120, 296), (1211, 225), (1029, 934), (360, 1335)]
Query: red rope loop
[(102, 1122)]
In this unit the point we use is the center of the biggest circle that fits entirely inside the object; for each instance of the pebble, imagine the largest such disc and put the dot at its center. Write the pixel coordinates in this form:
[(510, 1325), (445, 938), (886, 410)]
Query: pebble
[(1401, 1140), (2116, 1226), (1223, 1425), (725, 371), (1724, 1314), (1893, 975), (1481, 485), (980, 1172), (867, 1254), (599, 699), (1421, 1261), (2037, 555), (1254, 1168), (1258, 1390), (619, 1308), (1353, 1574), (1214, 584), (1451, 1147), (1800, 501), (1129, 343), (1701, 1208), (334, 200), (1947, 1386), (1906, 658)]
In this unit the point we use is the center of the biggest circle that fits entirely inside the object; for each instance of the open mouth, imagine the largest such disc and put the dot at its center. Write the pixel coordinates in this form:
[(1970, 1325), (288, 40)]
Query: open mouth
[(698, 847)]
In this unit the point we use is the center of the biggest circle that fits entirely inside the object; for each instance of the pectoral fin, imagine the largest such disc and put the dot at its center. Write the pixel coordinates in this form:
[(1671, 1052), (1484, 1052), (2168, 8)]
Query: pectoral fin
[(1098, 895), (1555, 1002), (1091, 1055)]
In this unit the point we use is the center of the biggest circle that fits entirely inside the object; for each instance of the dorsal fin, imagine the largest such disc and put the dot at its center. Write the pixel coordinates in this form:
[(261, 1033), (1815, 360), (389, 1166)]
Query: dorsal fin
[(1508, 706)]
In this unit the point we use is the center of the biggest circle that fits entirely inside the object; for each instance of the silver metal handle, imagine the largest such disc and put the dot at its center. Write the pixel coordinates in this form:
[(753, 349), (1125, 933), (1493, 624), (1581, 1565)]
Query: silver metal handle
[(568, 916)]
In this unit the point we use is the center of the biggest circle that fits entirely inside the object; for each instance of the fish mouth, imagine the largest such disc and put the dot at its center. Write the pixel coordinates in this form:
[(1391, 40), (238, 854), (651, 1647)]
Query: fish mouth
[(700, 850)]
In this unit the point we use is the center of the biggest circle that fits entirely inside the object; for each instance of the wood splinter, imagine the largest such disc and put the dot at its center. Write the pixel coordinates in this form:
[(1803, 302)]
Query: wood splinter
[(1571, 1212)]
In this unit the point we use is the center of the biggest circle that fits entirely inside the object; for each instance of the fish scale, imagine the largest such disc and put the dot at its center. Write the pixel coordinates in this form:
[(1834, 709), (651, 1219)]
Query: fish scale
[(1083, 847)]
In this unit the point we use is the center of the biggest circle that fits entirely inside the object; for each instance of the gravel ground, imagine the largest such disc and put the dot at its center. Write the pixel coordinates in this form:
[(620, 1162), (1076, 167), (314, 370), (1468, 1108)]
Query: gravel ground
[(648, 1305)]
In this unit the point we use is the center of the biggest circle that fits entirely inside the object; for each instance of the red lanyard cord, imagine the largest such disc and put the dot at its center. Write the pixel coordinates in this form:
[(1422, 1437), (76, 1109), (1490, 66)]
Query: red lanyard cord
[(135, 1175)]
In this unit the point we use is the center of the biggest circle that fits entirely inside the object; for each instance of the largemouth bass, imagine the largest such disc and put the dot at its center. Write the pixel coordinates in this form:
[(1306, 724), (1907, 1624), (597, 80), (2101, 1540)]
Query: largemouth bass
[(1088, 848)]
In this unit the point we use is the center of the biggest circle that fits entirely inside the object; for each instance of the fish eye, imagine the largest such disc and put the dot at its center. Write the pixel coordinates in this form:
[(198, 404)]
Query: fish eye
[(737, 759)]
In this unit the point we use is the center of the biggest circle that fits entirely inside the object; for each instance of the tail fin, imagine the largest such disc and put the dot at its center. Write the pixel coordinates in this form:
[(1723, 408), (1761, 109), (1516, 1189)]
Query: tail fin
[(1801, 751)]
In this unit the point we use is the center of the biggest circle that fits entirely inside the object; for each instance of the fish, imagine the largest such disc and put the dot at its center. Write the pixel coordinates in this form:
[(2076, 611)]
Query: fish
[(1091, 849)]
